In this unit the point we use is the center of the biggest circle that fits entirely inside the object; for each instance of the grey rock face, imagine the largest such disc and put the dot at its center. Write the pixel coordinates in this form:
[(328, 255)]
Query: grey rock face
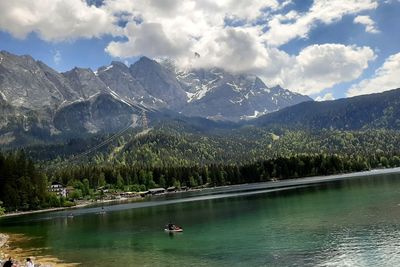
[(121, 83), (23, 83), (101, 113), (60, 82), (84, 82), (159, 82)]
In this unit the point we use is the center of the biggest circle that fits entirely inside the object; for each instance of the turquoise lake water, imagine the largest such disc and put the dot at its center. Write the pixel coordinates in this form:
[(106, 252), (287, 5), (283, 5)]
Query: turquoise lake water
[(354, 222)]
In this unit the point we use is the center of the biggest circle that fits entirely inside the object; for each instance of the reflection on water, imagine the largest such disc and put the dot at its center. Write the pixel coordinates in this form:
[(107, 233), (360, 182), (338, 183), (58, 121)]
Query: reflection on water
[(364, 247), (341, 223)]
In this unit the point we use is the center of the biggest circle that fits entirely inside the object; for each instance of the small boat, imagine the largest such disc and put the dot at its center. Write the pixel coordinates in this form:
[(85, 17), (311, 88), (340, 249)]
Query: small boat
[(172, 228), (180, 230)]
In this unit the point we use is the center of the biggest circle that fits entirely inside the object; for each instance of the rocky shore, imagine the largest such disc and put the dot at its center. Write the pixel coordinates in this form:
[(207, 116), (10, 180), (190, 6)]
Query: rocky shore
[(19, 256), (3, 240)]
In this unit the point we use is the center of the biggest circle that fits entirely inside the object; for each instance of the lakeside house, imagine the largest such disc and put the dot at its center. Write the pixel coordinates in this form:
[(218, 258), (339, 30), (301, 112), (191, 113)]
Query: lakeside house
[(58, 188)]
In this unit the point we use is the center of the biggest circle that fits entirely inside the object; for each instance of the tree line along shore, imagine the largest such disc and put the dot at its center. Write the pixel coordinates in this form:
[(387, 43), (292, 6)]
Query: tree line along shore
[(24, 185)]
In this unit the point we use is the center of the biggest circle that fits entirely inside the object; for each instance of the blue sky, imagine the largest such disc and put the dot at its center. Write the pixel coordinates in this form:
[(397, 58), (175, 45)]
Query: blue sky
[(326, 49)]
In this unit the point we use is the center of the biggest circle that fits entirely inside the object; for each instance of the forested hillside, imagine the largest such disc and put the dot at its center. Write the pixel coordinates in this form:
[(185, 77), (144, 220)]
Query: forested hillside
[(381, 110), (170, 146)]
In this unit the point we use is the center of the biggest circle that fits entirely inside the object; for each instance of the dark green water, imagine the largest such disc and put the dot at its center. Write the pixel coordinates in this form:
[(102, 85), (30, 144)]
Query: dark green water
[(352, 222)]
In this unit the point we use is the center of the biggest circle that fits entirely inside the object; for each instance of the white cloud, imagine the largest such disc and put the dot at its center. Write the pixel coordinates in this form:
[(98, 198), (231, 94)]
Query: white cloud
[(57, 57), (182, 25), (386, 77), (318, 67), (367, 22), (54, 20), (326, 97), (285, 28), (238, 50), (149, 39)]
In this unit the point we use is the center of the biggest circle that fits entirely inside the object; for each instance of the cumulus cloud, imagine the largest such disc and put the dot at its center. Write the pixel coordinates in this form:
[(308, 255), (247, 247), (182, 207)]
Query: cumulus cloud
[(54, 20), (285, 28), (386, 77), (238, 50), (322, 66), (367, 22), (149, 39), (326, 97)]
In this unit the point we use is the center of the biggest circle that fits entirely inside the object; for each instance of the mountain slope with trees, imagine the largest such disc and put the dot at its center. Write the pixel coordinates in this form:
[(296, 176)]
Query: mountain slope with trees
[(380, 110)]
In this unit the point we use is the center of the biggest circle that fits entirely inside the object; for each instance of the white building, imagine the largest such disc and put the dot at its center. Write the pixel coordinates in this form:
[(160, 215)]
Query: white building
[(58, 189)]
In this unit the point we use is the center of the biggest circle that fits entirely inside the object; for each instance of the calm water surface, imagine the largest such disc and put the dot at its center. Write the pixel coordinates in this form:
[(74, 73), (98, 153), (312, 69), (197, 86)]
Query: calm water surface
[(352, 222)]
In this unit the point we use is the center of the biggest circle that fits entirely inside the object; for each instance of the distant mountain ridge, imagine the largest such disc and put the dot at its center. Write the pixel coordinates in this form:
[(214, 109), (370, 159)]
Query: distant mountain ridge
[(380, 110)]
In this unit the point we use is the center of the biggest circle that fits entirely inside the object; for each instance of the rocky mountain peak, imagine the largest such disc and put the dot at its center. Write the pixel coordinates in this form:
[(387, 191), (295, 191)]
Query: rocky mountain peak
[(84, 82), (159, 82), (23, 83), (115, 65)]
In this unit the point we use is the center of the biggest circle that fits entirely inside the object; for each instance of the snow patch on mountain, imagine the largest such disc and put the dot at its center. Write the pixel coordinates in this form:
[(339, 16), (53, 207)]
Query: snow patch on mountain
[(94, 95), (103, 69), (240, 101), (201, 91), (118, 97), (108, 68), (3, 96), (255, 115), (235, 87)]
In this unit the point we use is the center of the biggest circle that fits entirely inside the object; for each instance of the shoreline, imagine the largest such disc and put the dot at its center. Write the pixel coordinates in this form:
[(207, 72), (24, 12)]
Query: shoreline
[(3, 240), (19, 255), (270, 184), (78, 206), (19, 213)]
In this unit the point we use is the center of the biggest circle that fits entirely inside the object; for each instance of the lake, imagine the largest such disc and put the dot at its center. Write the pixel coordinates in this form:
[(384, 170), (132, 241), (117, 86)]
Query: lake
[(350, 222)]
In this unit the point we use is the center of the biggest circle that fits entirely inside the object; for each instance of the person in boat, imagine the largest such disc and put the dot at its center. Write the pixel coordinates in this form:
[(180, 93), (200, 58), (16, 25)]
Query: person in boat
[(172, 227)]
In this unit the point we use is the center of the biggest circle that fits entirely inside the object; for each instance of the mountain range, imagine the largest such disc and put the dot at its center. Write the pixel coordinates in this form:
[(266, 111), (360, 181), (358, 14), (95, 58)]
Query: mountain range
[(39, 104), (38, 100)]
